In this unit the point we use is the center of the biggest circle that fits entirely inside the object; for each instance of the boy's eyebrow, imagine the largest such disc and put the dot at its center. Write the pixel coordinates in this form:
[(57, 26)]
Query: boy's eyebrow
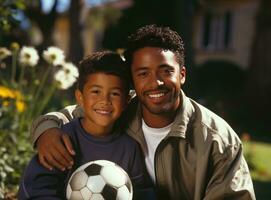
[(95, 86), (99, 86), (116, 88)]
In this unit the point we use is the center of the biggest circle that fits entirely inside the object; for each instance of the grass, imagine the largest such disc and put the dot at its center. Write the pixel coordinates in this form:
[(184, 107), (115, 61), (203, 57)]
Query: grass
[(258, 156)]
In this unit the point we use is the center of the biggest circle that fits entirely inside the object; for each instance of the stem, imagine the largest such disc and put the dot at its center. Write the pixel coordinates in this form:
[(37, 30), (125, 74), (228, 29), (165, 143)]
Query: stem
[(40, 88), (26, 116), (37, 94), (14, 63), (45, 100), (21, 77)]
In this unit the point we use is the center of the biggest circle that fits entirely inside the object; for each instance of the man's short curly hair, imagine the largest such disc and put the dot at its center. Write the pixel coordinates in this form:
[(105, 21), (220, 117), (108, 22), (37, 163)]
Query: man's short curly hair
[(155, 36)]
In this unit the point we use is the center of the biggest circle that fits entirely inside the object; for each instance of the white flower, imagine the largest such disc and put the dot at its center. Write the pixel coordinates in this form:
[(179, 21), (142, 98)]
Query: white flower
[(66, 76), (28, 56), (54, 56), (71, 69), (4, 52)]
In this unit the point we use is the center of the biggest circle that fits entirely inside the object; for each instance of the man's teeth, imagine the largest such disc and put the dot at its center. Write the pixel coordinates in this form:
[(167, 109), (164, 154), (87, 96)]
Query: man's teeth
[(156, 95)]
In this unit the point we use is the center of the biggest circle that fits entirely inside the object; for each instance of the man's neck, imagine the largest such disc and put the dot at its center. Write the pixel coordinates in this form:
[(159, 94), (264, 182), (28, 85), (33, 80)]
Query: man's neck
[(158, 120)]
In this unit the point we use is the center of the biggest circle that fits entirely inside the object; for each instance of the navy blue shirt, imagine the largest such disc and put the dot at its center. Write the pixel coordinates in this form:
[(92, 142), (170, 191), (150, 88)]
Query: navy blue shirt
[(41, 183)]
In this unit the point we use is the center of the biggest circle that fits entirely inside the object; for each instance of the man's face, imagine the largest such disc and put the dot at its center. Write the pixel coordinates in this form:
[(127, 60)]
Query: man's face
[(157, 79)]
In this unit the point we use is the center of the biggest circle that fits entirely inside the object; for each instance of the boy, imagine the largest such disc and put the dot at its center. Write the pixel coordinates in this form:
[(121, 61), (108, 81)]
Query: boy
[(103, 90)]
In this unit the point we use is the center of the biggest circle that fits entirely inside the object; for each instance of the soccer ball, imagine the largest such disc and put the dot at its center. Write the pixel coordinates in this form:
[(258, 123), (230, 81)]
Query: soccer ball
[(97, 180)]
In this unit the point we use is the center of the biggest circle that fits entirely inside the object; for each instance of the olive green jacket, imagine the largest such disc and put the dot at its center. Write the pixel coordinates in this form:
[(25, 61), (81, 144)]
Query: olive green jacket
[(200, 158)]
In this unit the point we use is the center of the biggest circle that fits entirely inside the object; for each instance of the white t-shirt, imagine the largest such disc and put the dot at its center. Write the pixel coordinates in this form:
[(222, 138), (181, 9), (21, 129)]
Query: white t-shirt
[(153, 137)]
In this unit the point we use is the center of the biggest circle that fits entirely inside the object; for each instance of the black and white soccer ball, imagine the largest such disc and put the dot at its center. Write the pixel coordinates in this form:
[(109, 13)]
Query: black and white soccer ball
[(97, 180)]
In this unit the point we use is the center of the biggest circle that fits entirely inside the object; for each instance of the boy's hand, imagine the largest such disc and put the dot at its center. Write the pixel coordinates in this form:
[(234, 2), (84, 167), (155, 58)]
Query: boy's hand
[(55, 149)]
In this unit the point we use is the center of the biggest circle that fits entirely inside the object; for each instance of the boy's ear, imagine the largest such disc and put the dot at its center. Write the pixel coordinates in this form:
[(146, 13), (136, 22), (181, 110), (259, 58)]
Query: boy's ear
[(79, 97), (131, 95)]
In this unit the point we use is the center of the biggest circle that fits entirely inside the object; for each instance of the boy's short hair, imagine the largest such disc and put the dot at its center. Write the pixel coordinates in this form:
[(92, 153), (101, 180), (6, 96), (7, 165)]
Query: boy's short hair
[(155, 36), (107, 62)]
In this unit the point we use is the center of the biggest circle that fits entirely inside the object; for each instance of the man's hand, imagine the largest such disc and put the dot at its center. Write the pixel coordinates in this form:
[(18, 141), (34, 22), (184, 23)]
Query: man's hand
[(55, 149)]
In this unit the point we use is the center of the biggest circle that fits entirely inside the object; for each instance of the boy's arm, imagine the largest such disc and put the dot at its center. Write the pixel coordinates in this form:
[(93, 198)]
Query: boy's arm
[(46, 132), (40, 183)]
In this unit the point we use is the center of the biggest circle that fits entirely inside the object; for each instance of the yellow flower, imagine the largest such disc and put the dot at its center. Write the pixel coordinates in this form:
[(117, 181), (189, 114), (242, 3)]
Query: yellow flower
[(20, 105), (6, 93)]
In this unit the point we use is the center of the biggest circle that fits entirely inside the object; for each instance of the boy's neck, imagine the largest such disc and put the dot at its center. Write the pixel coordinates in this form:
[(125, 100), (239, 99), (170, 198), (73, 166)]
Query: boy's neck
[(94, 129)]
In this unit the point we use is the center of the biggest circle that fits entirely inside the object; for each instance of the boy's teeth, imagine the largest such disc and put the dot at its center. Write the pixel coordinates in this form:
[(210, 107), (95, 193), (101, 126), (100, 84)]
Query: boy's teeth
[(102, 111), (156, 95)]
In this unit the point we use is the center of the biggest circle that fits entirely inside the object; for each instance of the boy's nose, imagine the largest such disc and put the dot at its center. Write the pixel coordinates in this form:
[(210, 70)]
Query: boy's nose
[(106, 99)]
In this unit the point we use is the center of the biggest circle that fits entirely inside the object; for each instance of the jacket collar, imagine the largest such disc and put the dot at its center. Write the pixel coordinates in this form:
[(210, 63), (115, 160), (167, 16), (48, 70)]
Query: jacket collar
[(183, 118)]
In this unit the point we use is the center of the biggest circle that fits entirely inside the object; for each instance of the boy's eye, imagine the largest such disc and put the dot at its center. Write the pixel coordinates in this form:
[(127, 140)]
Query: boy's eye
[(115, 93), (94, 91)]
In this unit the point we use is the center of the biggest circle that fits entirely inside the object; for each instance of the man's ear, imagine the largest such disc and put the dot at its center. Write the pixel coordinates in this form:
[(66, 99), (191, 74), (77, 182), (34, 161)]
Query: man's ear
[(182, 74), (79, 97)]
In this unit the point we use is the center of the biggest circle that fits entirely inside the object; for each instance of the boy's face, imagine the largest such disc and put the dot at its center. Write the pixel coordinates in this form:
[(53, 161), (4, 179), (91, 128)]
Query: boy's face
[(103, 100), (157, 79)]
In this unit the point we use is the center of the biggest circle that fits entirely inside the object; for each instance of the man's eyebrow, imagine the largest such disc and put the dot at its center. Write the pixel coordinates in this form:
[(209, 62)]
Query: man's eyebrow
[(94, 85), (141, 68), (165, 66)]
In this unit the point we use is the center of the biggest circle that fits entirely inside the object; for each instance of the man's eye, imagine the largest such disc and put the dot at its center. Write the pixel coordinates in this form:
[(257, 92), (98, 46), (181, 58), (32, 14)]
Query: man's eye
[(168, 71), (142, 74)]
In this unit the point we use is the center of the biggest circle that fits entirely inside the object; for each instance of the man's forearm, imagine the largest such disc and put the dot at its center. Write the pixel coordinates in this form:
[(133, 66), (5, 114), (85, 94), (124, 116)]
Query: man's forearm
[(53, 120)]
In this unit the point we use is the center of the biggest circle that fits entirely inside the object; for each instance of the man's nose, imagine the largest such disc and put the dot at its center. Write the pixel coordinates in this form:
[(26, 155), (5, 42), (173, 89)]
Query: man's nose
[(156, 81), (160, 82)]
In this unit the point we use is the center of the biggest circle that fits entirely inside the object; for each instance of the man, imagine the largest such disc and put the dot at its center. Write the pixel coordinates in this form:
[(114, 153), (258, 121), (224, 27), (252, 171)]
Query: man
[(190, 152)]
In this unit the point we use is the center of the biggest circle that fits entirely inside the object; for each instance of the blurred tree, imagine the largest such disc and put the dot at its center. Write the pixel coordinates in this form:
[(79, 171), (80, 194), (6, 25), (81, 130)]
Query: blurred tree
[(258, 80), (8, 10), (44, 20), (177, 14), (76, 49)]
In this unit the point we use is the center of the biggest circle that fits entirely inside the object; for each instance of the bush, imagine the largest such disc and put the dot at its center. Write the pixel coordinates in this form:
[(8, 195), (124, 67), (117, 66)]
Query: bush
[(26, 88)]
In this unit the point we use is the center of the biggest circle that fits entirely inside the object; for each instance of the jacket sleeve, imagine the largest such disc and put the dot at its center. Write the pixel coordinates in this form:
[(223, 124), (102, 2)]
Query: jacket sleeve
[(52, 120), (230, 177), (40, 183)]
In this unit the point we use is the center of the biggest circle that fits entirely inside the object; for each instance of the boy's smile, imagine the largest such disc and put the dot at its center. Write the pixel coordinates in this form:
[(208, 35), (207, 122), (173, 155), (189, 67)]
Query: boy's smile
[(103, 100)]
